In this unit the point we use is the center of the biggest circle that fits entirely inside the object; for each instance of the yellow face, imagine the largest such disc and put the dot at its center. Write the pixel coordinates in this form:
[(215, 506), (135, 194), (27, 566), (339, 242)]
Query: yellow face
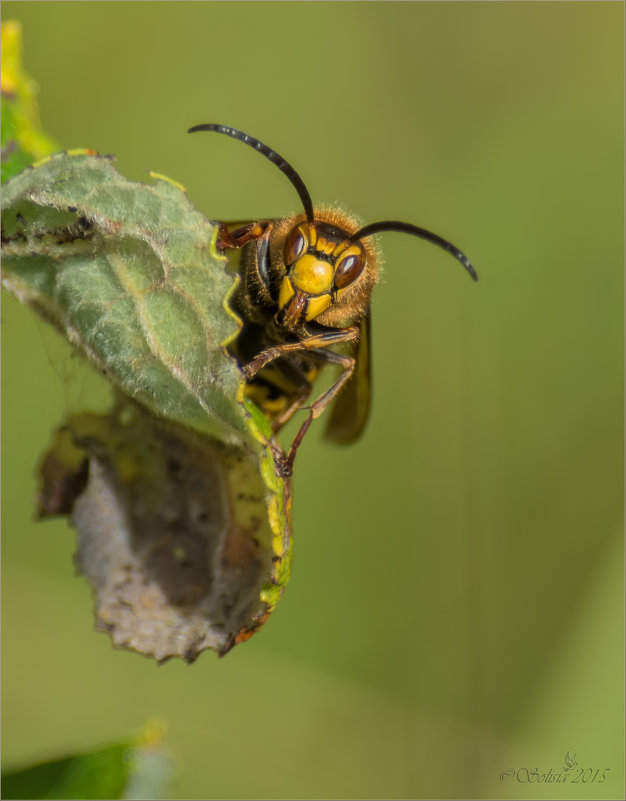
[(321, 264)]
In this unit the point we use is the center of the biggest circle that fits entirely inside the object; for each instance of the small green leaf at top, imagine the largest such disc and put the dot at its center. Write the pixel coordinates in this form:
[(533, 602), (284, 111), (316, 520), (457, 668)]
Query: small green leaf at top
[(23, 140)]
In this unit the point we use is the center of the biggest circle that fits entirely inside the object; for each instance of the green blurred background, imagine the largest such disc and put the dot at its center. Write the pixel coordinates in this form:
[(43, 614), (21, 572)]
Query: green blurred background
[(455, 609)]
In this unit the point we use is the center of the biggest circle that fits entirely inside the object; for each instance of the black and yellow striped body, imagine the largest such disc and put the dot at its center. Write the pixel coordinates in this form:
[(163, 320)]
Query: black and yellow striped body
[(301, 283), (304, 298)]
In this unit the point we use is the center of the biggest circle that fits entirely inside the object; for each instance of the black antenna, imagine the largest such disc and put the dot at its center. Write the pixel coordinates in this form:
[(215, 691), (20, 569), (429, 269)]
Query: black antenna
[(415, 230), (270, 154)]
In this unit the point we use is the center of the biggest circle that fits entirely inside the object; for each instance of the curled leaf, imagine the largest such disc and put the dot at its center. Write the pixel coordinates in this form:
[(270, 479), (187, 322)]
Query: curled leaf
[(179, 495), (174, 532)]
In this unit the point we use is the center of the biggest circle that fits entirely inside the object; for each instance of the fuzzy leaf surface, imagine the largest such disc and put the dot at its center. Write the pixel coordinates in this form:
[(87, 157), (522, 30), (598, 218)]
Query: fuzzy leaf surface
[(128, 272)]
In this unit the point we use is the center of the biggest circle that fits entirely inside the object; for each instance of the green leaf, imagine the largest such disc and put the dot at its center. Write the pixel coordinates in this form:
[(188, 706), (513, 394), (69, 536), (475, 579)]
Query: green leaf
[(23, 140), (98, 775), (122, 770), (178, 495), (130, 274)]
